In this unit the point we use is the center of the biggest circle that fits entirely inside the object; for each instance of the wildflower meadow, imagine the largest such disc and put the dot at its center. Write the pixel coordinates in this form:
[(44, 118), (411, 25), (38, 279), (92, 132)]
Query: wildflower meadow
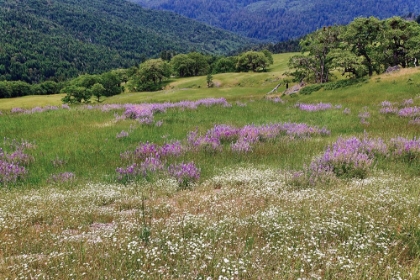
[(228, 186)]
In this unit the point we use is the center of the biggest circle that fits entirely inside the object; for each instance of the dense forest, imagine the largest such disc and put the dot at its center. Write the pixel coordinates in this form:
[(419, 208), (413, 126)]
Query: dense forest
[(59, 39), (280, 20)]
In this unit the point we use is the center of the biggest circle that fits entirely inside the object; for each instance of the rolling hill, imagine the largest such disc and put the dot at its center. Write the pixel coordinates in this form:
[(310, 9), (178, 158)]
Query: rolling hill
[(58, 39), (280, 20)]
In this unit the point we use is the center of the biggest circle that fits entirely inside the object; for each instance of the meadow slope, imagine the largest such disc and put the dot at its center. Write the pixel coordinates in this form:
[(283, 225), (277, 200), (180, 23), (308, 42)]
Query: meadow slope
[(215, 183)]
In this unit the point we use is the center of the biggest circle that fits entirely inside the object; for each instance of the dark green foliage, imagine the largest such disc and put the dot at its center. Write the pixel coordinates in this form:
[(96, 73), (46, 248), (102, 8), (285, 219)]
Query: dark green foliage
[(252, 61), (343, 83), (224, 65), (150, 75), (82, 88), (209, 80), (364, 46), (310, 89), (275, 20), (57, 40), (18, 88), (191, 64), (76, 94)]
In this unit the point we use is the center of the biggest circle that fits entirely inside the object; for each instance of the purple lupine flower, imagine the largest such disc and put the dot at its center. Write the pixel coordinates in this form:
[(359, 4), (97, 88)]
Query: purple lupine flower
[(17, 110), (388, 110), (145, 150), (346, 111), (10, 172), (225, 133), (386, 103), (409, 112), (150, 165), (19, 157), (345, 158), (171, 149), (249, 133), (408, 102), (65, 106), (403, 147), (184, 173), (314, 107), (241, 147), (208, 142), (128, 173)]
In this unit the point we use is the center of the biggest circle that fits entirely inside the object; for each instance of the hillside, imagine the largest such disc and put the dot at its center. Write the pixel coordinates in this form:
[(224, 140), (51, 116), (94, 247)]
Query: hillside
[(58, 39), (280, 20)]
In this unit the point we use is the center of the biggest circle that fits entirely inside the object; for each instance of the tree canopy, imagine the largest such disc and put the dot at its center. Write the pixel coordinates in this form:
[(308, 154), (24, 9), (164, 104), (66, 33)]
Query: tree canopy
[(364, 46)]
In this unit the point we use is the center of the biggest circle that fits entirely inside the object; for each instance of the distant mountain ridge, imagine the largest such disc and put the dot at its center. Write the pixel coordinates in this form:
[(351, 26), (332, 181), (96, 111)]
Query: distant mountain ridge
[(58, 39), (279, 20)]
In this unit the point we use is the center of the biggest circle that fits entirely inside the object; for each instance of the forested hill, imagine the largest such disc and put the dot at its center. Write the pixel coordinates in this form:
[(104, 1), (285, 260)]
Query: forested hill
[(280, 20), (57, 39)]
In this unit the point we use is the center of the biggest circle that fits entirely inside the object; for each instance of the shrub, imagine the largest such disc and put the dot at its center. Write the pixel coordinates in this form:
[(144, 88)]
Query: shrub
[(310, 89)]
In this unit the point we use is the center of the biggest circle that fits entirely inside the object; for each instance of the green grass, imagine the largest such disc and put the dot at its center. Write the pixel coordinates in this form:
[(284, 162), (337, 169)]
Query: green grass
[(244, 219)]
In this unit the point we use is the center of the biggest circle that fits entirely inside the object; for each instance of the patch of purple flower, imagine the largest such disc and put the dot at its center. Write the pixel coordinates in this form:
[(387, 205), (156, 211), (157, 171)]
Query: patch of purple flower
[(225, 133), (11, 168), (241, 146), (64, 177), (405, 148), (146, 111), (172, 149), (345, 158), (150, 165), (145, 150), (17, 110), (10, 172), (388, 110), (19, 157), (207, 142), (185, 173), (386, 104), (408, 102), (409, 112), (314, 107), (128, 173)]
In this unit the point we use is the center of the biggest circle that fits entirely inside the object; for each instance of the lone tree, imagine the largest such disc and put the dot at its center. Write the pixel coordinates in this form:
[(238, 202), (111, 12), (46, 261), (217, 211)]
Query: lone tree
[(150, 75), (209, 80), (252, 61)]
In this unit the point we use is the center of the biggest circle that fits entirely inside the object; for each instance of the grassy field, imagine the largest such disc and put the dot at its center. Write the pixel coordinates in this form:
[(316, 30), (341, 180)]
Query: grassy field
[(233, 184)]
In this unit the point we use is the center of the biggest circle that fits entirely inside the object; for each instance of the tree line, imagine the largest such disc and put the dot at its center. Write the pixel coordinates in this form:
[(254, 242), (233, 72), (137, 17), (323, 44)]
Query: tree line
[(361, 48), (152, 74)]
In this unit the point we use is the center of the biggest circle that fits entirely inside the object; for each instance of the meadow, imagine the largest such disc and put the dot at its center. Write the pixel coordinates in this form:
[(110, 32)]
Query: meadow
[(215, 183)]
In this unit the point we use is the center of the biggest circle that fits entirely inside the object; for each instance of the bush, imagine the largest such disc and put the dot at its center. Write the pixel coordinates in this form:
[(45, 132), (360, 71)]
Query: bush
[(310, 89)]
